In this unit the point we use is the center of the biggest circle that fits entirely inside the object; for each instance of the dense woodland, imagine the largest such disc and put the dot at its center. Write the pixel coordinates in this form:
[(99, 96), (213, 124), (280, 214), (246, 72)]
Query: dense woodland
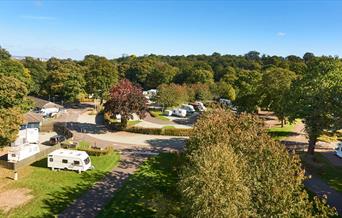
[(307, 87)]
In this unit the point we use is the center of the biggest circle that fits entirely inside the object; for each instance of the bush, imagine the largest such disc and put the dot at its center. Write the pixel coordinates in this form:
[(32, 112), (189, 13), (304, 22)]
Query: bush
[(160, 131), (91, 151)]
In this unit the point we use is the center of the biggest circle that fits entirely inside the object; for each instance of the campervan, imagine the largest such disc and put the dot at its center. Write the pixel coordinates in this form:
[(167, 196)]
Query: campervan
[(69, 159), (179, 112), (189, 108), (339, 150), (225, 102), (200, 106), (21, 152)]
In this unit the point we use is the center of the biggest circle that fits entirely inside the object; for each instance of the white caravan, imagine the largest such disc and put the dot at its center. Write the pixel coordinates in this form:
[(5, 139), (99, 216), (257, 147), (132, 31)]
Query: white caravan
[(200, 106), (49, 111), (339, 150), (179, 112), (189, 108), (168, 112), (21, 152), (69, 159)]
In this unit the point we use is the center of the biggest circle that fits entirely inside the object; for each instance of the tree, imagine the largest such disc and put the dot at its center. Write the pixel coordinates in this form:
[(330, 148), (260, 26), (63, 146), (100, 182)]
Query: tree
[(10, 119), (171, 95), (101, 75), (4, 54), (316, 98), (276, 84), (38, 73), (161, 73), (65, 80), (14, 68), (199, 92), (225, 149), (223, 89), (126, 99), (247, 87)]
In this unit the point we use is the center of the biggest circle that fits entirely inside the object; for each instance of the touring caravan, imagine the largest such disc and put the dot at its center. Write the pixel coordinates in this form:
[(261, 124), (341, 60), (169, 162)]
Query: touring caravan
[(339, 150), (69, 159), (179, 112), (21, 152), (189, 108)]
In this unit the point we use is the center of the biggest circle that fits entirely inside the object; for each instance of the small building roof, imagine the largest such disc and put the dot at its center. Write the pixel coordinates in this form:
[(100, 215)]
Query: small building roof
[(31, 117), (41, 103), (69, 153)]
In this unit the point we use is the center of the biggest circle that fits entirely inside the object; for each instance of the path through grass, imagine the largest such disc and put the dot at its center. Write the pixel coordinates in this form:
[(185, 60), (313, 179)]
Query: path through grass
[(151, 188), (280, 133)]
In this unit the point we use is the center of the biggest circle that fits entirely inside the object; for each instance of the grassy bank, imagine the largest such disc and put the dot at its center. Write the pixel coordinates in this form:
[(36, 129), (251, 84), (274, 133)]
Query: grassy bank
[(159, 115), (53, 191), (149, 192)]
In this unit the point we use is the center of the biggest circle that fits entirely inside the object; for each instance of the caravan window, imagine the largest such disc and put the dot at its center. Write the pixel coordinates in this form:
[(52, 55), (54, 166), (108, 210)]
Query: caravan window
[(76, 162), (51, 159), (64, 161), (87, 160)]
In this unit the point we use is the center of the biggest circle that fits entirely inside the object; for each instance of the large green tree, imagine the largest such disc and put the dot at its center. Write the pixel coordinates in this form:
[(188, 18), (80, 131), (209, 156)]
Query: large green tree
[(101, 74), (170, 95), (316, 97), (275, 87), (38, 73), (233, 168)]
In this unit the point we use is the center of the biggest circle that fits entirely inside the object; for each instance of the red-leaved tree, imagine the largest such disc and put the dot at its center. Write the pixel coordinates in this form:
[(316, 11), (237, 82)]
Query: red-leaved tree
[(126, 99)]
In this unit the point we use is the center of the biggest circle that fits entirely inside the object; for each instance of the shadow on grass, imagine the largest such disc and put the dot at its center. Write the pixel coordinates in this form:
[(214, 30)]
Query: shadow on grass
[(150, 191), (282, 134), (57, 202)]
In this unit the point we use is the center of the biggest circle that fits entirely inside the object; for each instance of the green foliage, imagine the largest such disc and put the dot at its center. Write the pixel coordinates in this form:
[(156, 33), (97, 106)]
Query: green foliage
[(160, 131), (172, 95), (149, 192), (275, 86), (12, 92), (280, 133), (272, 177), (10, 119), (14, 68), (158, 115), (161, 73), (315, 98), (38, 73), (4, 54), (100, 76), (199, 92), (223, 89), (65, 80)]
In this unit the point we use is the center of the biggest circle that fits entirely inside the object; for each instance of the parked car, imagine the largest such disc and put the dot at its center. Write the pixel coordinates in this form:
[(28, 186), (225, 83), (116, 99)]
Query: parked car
[(70, 160), (56, 139), (339, 150)]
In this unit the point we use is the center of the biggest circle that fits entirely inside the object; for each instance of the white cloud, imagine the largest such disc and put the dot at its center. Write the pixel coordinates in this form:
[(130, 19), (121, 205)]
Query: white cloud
[(281, 34), (30, 17)]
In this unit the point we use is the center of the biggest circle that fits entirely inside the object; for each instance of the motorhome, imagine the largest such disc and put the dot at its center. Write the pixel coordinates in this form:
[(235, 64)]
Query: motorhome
[(69, 159), (339, 150), (21, 152), (189, 108), (179, 112), (198, 105)]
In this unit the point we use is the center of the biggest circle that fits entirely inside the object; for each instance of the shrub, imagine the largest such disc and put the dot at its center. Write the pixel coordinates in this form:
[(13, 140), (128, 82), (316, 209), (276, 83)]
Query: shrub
[(160, 131)]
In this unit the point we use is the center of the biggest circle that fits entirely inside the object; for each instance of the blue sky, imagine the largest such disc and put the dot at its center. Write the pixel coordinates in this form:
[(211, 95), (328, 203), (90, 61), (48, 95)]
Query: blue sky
[(111, 28)]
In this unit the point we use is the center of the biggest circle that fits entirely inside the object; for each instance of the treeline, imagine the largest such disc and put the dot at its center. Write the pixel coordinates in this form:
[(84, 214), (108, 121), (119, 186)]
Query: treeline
[(307, 87)]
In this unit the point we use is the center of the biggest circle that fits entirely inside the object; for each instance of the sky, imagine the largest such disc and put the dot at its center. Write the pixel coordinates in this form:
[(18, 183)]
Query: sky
[(73, 29)]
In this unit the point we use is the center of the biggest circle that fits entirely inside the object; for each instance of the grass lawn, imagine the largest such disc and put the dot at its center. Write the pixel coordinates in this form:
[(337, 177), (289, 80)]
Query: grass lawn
[(153, 186), (159, 115), (280, 133), (133, 122), (323, 168), (169, 127), (53, 191)]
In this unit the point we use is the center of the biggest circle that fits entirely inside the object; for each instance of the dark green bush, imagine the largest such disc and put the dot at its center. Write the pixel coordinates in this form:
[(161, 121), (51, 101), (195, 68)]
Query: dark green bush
[(160, 131)]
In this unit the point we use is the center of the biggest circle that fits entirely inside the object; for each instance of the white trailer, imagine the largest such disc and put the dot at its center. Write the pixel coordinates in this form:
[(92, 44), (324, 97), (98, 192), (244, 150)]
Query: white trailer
[(21, 152), (189, 108), (69, 159), (168, 112), (179, 112), (49, 111)]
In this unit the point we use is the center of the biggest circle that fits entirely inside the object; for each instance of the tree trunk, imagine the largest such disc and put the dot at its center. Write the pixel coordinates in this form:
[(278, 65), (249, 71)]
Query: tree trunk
[(312, 144), (124, 122), (282, 123)]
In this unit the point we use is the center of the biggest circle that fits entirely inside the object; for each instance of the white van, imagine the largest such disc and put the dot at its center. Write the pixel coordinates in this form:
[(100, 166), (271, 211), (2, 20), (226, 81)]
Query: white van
[(69, 159), (179, 112), (339, 150)]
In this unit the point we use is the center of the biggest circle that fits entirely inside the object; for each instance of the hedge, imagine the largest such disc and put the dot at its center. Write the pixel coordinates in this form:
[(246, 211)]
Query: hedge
[(160, 131), (97, 152)]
